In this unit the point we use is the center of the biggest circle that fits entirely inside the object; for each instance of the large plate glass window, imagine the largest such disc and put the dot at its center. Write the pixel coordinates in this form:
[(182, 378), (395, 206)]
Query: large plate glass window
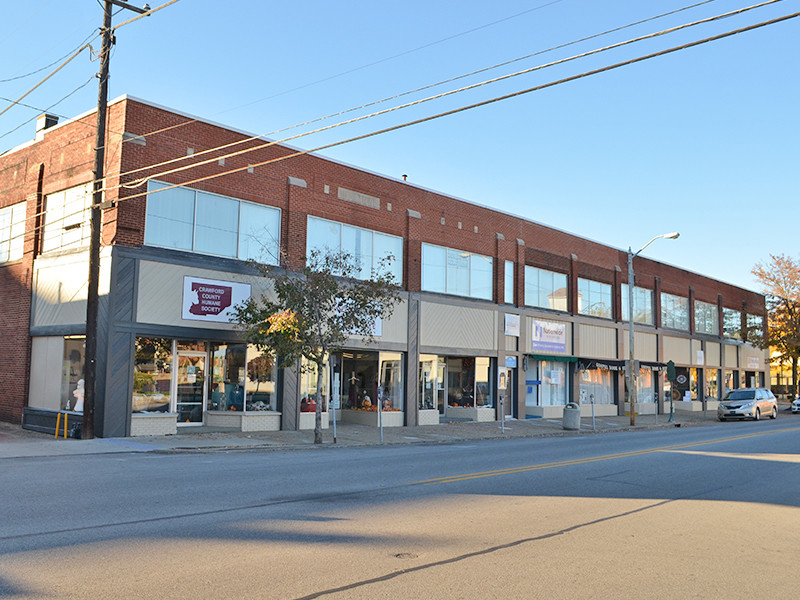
[(594, 298), (186, 219), (72, 379), (545, 289), (642, 307), (706, 318), (674, 312), (67, 219), (12, 232), (372, 250), (216, 225), (457, 272), (731, 323), (152, 375)]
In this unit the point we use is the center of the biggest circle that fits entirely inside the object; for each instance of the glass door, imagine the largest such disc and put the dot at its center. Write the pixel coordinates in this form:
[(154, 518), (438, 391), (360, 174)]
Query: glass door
[(191, 387)]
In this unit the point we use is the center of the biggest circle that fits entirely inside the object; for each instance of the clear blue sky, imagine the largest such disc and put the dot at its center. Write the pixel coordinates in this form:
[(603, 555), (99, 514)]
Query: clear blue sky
[(703, 141)]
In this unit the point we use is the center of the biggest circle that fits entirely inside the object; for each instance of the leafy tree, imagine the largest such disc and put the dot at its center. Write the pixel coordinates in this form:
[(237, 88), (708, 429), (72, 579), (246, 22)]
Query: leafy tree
[(780, 282), (317, 308)]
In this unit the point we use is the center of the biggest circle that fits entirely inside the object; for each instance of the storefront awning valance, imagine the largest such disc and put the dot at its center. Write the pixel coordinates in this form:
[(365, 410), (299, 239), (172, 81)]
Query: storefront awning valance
[(586, 364), (653, 366), (568, 359)]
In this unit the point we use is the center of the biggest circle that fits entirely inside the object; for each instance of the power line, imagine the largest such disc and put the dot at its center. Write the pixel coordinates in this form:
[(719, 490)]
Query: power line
[(140, 181), (447, 113), (429, 86), (46, 110), (64, 64), (482, 103), (88, 40)]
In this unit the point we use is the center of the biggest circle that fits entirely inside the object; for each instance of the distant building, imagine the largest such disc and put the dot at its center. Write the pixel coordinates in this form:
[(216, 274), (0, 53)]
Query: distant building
[(482, 290)]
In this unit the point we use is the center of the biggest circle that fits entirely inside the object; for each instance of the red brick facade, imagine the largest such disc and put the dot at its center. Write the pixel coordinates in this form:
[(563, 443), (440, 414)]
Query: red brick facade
[(141, 135)]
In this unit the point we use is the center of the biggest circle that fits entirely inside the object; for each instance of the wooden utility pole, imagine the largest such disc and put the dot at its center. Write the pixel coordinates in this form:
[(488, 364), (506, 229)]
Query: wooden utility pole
[(92, 300)]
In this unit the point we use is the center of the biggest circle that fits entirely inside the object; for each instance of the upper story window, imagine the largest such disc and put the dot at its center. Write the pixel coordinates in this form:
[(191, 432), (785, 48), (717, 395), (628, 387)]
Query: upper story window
[(67, 221), (642, 304), (456, 272), (755, 328), (545, 289), (188, 219), (731, 323), (508, 283), (12, 232), (594, 298), (706, 319), (368, 248), (674, 312)]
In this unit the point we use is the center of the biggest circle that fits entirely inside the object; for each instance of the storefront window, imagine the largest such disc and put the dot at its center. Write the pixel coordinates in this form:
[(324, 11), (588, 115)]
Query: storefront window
[(645, 386), (731, 380), (432, 382), (695, 376), (546, 383), (308, 386), (372, 377), (711, 390), (596, 386), (468, 383), (152, 375), (390, 388), (227, 377), (260, 382), (72, 374)]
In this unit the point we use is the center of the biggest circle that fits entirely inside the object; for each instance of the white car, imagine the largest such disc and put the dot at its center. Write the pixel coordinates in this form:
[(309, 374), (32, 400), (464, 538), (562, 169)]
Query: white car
[(748, 403), (796, 405)]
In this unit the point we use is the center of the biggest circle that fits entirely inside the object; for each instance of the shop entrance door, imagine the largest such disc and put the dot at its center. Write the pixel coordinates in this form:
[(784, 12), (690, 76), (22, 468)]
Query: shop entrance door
[(191, 387)]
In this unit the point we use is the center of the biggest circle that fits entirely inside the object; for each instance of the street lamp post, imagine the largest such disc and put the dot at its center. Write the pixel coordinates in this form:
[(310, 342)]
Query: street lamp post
[(632, 372)]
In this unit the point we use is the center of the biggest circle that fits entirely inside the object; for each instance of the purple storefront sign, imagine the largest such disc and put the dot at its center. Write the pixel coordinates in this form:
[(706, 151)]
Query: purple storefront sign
[(548, 336)]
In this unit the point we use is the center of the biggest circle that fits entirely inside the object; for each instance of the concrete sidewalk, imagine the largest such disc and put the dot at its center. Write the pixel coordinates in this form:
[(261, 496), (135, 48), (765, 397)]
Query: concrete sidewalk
[(18, 443)]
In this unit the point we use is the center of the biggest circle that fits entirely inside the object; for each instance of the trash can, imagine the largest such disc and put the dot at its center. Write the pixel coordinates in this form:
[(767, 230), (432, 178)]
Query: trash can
[(572, 417)]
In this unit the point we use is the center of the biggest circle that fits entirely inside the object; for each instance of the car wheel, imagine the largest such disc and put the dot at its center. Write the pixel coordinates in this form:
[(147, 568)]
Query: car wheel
[(757, 416), (721, 419), (774, 414)]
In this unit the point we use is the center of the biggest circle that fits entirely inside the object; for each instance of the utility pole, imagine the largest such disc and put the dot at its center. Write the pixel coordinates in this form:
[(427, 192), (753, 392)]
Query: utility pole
[(92, 300)]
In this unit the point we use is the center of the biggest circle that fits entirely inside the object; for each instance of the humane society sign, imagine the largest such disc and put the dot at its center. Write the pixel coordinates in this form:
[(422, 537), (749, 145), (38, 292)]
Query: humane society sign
[(211, 300)]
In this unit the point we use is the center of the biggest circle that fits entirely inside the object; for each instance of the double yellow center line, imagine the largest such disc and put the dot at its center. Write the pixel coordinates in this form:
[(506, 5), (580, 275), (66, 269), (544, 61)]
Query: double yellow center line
[(582, 461)]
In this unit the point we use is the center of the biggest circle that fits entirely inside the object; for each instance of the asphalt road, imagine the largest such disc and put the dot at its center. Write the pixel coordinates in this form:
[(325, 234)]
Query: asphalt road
[(701, 512)]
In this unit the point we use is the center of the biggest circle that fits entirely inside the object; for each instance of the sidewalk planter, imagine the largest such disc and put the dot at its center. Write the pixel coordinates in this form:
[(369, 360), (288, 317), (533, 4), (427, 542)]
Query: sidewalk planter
[(480, 413), (244, 421), (157, 423), (390, 418), (428, 417), (308, 420)]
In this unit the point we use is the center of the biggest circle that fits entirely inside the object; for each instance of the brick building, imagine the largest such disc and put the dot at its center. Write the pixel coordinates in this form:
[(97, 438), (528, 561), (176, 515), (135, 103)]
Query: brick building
[(482, 290)]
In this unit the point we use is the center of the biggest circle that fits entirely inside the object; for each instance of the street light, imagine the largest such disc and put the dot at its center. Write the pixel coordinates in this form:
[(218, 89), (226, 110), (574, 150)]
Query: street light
[(632, 372)]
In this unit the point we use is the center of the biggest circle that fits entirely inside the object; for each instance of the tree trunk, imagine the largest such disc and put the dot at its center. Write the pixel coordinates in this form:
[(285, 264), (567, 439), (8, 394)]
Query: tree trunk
[(318, 411), (794, 377)]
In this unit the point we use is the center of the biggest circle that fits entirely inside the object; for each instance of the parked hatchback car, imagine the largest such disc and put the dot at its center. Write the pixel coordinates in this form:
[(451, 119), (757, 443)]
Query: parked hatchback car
[(748, 403), (796, 405)]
